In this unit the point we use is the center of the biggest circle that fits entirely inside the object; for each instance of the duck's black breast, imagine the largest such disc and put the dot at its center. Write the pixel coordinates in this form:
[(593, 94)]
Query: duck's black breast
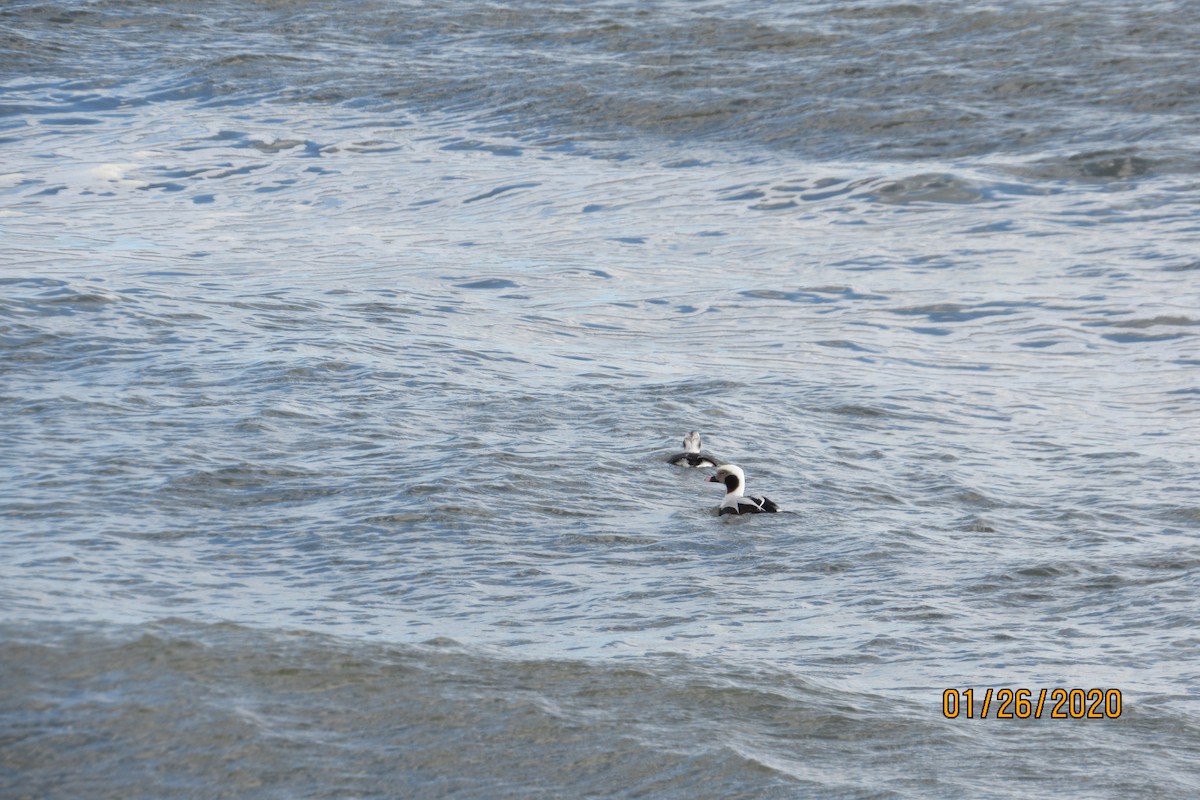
[(693, 460), (751, 505)]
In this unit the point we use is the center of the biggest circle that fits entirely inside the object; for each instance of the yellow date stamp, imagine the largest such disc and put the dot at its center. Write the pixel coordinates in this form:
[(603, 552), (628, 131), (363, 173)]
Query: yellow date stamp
[(1032, 704)]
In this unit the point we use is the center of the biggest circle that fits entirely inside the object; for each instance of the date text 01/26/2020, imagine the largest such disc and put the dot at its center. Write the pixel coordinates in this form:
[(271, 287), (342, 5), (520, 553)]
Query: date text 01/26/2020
[(1028, 704)]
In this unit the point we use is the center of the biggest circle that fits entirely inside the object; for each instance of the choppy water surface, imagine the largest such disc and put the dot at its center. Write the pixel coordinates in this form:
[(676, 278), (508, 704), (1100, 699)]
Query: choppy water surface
[(341, 348)]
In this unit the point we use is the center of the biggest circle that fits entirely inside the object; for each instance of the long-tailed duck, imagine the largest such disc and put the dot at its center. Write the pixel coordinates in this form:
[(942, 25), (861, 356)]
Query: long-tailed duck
[(735, 502), (692, 455)]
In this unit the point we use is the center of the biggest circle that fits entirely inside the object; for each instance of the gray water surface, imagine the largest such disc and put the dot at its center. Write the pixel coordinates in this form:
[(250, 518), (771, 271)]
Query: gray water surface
[(341, 348)]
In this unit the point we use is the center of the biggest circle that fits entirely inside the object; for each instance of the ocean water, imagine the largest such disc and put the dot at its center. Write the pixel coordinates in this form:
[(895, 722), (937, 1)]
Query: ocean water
[(342, 346)]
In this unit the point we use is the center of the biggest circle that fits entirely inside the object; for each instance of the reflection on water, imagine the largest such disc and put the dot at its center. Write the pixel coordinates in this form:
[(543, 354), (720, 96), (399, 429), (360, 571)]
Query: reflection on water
[(449, 371)]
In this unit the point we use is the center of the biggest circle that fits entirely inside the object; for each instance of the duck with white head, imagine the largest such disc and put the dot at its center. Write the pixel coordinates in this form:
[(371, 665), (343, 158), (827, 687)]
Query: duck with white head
[(736, 500), (693, 455)]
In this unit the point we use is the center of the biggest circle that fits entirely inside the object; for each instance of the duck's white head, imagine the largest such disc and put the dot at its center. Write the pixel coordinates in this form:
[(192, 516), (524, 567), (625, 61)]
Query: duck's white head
[(732, 476), (691, 442)]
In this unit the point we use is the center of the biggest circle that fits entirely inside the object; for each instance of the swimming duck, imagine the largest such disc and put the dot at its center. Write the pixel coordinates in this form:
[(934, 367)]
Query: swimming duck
[(735, 502), (692, 455)]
